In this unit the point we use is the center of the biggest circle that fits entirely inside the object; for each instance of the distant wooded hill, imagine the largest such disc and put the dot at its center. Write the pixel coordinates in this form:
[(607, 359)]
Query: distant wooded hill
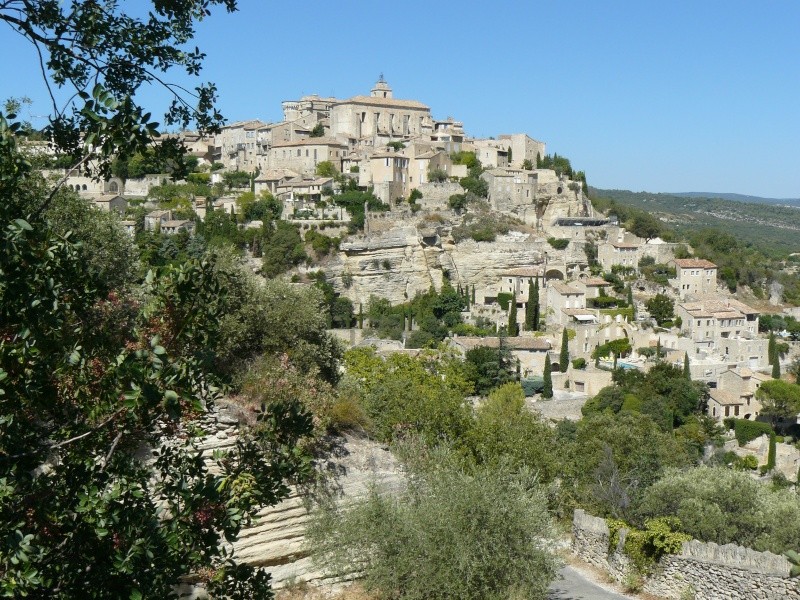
[(741, 198), (772, 228)]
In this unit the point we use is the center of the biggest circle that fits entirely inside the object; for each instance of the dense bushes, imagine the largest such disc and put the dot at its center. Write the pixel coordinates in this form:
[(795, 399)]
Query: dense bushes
[(747, 431), (716, 504), (486, 526)]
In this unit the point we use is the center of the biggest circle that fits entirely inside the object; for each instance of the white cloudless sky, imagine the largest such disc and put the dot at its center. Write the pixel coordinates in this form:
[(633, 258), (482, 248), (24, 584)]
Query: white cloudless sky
[(699, 95)]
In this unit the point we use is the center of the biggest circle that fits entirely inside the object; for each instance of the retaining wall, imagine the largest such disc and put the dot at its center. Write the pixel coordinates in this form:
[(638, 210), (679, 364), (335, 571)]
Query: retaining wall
[(704, 571)]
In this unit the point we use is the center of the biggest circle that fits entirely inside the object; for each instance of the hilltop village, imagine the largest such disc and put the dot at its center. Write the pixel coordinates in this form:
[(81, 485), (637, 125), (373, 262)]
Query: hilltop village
[(420, 241), (519, 224)]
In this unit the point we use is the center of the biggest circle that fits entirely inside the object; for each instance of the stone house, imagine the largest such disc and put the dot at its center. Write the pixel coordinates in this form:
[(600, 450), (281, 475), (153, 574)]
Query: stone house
[(591, 286), (153, 221), (173, 227), (734, 395), (611, 254), (589, 380), (492, 153), (522, 148), (728, 326), (388, 173), (109, 202), (530, 351), (694, 276), (304, 155), (567, 304), (236, 145), (449, 134), (515, 281), (303, 189), (270, 179)]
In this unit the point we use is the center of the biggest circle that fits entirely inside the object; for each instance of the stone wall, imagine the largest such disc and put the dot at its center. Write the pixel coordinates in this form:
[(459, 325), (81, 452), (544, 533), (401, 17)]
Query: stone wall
[(703, 571)]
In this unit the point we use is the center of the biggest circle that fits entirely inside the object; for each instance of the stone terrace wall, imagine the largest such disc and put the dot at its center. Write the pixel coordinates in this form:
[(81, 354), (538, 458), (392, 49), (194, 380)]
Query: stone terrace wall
[(708, 570)]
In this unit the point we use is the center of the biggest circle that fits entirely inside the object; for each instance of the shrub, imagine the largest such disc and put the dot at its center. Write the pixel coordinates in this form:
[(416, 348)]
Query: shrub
[(579, 363), (558, 243), (729, 422), (504, 298), (488, 528), (747, 431)]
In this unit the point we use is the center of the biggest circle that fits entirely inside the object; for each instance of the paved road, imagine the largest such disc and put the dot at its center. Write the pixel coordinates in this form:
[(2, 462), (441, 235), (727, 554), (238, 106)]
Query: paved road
[(572, 585)]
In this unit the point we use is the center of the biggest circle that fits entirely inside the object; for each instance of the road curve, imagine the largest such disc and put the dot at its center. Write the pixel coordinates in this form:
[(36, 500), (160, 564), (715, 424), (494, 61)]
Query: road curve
[(571, 584)]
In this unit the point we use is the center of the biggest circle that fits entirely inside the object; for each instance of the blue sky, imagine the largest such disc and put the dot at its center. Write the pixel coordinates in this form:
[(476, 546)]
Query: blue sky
[(657, 96)]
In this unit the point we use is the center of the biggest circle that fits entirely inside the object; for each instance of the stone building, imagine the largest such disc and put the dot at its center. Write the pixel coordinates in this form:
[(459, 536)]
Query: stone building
[(380, 117), (236, 145), (304, 155), (109, 202), (694, 276)]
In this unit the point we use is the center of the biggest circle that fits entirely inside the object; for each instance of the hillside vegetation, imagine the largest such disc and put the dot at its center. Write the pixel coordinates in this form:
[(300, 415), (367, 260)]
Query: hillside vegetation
[(772, 229)]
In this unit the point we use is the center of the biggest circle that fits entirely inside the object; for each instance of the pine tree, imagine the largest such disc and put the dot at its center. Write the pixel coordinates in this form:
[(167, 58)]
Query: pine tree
[(512, 317), (686, 372), (529, 307), (563, 358), (547, 391)]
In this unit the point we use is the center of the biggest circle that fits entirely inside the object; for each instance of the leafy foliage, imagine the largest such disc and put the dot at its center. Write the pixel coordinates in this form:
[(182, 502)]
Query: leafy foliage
[(485, 526), (89, 49)]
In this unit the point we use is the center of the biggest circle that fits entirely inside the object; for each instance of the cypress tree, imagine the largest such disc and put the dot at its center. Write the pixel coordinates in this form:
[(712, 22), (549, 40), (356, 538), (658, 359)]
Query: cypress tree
[(547, 391), (771, 348), (529, 307), (630, 302), (360, 316), (658, 350), (473, 293), (776, 368), (512, 317), (686, 372), (536, 305), (563, 358)]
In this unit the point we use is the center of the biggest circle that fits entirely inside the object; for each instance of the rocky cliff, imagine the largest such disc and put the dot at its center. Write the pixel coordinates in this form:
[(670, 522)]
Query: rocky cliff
[(401, 261)]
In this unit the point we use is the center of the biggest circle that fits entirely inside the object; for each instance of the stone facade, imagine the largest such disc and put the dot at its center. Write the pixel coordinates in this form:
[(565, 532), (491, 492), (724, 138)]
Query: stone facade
[(707, 571)]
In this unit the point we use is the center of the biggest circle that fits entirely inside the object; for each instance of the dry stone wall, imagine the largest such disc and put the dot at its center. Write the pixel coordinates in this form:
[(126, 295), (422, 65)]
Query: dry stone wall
[(703, 571)]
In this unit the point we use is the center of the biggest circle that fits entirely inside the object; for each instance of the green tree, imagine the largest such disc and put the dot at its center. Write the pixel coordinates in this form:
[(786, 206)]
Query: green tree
[(504, 431), (104, 67), (326, 169), (645, 226), (527, 164), (89, 377), (661, 308), (547, 392), (686, 370), (532, 306), (512, 316), (411, 394), (776, 367), (771, 348), (485, 525), (779, 400), (489, 367), (317, 131), (563, 357)]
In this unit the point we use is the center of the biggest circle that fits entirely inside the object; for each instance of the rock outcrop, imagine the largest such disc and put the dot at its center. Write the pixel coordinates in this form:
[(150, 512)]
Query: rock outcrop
[(276, 538)]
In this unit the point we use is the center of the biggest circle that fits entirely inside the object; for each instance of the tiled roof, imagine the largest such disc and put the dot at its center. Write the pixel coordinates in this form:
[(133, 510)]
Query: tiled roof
[(694, 263), (383, 102)]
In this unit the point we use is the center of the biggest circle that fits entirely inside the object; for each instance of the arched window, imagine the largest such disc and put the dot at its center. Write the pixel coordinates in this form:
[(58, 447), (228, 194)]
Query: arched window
[(113, 187), (84, 187)]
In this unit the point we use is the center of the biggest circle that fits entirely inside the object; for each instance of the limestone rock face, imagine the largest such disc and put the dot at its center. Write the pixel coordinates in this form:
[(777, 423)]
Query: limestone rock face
[(276, 538), (399, 262)]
